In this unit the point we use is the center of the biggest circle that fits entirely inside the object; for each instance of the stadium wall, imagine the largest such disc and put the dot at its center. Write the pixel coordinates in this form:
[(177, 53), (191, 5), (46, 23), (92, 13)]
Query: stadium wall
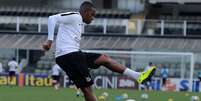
[(100, 81)]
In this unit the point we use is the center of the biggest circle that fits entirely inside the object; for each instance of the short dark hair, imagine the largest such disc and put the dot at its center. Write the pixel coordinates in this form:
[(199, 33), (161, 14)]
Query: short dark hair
[(150, 63), (13, 58), (86, 4)]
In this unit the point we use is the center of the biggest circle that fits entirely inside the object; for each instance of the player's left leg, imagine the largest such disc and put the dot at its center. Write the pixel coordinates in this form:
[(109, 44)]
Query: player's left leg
[(57, 82), (57, 85), (77, 91), (75, 65), (11, 77), (164, 81), (54, 81), (88, 94)]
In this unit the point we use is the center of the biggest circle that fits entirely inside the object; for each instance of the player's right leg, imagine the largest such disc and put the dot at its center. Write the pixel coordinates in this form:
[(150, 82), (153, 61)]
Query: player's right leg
[(146, 75), (116, 67)]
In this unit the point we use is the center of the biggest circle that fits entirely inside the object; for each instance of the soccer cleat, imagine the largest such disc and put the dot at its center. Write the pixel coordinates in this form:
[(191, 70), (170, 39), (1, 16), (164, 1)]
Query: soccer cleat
[(78, 93), (146, 75)]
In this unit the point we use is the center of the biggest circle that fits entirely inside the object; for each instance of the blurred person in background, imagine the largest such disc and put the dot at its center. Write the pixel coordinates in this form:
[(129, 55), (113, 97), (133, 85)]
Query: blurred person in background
[(164, 75), (22, 65), (73, 86), (199, 75), (13, 65), (1, 69), (56, 73), (76, 62)]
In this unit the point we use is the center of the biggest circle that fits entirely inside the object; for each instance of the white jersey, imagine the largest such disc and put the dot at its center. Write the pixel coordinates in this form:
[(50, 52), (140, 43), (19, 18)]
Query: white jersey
[(69, 32), (12, 65), (56, 70)]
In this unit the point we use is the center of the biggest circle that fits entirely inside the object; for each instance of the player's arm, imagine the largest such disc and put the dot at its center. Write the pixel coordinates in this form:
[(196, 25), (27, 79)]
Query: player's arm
[(52, 20), (17, 65), (9, 64), (65, 18)]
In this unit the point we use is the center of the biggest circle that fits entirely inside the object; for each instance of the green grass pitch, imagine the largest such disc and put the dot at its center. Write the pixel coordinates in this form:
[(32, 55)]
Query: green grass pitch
[(67, 94)]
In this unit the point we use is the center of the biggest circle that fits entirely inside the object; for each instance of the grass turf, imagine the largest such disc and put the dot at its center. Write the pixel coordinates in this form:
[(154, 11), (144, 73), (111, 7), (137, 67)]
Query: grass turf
[(49, 94)]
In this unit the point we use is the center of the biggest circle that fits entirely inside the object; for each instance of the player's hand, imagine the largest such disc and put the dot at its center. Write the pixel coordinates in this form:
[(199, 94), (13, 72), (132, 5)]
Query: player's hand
[(47, 45)]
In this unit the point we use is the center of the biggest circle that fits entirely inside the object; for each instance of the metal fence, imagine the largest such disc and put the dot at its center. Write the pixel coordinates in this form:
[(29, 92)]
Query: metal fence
[(109, 26)]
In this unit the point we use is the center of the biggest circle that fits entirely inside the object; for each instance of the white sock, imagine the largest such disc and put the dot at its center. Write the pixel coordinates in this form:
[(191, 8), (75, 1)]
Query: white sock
[(131, 73)]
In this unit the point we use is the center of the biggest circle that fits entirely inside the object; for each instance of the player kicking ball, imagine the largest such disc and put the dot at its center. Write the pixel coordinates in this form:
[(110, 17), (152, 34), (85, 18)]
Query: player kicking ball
[(75, 62)]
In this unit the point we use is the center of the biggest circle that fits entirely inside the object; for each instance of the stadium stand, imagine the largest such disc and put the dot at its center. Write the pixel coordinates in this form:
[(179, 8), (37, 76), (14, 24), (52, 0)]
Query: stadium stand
[(33, 18), (180, 19), (117, 42), (174, 1), (31, 24), (45, 12), (112, 42)]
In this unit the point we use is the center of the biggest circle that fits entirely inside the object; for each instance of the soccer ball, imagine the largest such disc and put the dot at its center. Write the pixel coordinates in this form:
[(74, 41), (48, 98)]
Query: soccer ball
[(101, 98), (170, 99), (105, 94), (186, 94), (195, 98), (144, 96), (125, 95), (130, 100)]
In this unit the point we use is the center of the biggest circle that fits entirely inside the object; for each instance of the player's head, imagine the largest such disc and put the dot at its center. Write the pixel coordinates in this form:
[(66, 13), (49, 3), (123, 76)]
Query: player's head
[(150, 63), (87, 11), (13, 58)]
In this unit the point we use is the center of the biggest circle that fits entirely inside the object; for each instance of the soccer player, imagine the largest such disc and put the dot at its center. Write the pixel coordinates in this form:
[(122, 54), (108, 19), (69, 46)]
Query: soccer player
[(164, 74), (199, 75), (76, 62), (13, 65), (1, 69), (56, 73)]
